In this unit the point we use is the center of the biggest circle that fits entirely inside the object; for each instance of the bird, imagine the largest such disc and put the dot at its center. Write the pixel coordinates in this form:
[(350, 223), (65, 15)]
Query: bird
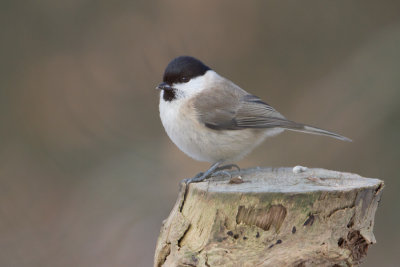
[(211, 119)]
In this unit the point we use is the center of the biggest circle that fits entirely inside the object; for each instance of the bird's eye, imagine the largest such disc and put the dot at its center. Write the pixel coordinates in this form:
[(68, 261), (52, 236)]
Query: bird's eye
[(184, 79)]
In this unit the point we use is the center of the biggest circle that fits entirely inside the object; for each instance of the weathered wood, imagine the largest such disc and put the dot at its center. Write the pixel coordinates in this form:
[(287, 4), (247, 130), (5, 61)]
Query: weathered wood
[(272, 217)]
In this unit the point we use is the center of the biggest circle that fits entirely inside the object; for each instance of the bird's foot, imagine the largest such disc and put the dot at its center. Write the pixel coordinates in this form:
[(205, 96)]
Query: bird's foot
[(213, 171), (201, 176)]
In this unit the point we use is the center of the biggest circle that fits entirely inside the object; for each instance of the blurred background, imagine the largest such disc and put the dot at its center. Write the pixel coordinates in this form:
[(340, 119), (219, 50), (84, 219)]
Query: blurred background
[(87, 173)]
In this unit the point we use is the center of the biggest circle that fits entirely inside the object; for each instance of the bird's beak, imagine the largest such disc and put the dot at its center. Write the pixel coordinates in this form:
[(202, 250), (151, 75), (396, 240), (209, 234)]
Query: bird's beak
[(164, 86)]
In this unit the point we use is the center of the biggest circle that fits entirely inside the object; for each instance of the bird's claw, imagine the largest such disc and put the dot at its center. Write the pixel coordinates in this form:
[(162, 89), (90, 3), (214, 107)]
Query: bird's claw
[(197, 178)]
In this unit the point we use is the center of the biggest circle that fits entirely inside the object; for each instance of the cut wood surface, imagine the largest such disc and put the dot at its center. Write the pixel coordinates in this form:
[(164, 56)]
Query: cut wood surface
[(271, 217)]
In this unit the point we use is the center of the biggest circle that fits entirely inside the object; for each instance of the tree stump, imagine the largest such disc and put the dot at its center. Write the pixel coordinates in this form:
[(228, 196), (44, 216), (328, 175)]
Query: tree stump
[(271, 217)]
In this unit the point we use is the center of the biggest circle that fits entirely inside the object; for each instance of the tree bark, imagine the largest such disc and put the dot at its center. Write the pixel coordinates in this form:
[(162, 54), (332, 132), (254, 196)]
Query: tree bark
[(271, 217)]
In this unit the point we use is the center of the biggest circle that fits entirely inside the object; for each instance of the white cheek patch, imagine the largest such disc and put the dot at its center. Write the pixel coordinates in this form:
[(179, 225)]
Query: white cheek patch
[(195, 85)]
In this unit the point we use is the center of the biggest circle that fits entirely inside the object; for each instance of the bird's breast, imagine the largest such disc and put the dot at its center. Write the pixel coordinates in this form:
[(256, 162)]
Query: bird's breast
[(180, 121)]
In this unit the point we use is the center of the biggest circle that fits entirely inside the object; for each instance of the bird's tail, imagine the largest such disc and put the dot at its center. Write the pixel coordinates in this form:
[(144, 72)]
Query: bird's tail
[(299, 127)]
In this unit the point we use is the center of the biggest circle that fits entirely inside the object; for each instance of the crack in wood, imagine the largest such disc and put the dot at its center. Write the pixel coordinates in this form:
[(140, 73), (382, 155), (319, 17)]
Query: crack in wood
[(183, 235), (310, 220), (357, 245), (165, 251)]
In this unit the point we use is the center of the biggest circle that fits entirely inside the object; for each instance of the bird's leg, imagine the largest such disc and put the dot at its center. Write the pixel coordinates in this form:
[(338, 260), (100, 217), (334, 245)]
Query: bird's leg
[(228, 167), (201, 176)]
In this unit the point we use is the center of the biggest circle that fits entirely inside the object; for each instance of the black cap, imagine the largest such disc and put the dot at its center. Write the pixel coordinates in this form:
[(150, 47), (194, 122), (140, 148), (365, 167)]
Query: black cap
[(182, 69)]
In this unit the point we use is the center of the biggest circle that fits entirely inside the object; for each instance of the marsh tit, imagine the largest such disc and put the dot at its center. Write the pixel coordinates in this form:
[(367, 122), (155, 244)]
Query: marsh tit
[(212, 119)]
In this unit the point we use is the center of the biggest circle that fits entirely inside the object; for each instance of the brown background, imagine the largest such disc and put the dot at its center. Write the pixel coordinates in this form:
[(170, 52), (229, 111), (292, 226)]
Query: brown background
[(87, 172)]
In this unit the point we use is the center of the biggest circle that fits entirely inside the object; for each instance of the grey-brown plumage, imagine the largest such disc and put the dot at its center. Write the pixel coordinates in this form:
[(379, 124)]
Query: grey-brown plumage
[(226, 106)]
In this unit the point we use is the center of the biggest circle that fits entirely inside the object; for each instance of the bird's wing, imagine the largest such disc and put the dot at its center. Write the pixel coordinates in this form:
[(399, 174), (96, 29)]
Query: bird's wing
[(254, 113), (232, 108)]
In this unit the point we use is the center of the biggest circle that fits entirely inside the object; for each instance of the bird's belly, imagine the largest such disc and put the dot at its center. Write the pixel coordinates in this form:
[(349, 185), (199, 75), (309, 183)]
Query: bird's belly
[(205, 144)]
